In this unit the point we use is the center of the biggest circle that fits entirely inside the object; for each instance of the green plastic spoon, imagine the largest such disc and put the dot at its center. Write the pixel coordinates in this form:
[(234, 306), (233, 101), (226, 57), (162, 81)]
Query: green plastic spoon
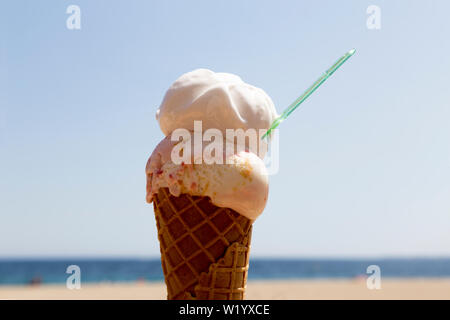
[(294, 105)]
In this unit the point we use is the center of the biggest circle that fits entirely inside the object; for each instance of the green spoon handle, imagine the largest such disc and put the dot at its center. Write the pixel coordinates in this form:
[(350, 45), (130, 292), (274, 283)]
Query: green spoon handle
[(294, 105)]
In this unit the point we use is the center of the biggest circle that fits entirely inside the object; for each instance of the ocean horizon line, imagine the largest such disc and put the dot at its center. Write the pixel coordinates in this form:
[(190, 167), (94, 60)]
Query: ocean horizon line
[(39, 270)]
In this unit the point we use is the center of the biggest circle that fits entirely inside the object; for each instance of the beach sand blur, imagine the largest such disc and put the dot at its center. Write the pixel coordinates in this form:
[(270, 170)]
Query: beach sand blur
[(291, 290)]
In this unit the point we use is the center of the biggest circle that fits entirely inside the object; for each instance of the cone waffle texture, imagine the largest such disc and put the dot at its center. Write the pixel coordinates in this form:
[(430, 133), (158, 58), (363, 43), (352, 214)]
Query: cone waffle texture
[(204, 248)]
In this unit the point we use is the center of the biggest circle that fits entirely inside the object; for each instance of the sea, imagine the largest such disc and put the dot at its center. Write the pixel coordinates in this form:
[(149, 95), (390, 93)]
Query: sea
[(56, 271)]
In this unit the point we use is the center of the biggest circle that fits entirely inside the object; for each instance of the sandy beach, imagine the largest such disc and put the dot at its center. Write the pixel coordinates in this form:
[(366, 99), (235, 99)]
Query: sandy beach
[(291, 290)]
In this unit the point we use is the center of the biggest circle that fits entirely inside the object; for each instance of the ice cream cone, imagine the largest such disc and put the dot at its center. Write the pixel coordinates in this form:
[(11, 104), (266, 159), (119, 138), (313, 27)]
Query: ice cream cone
[(205, 230), (204, 248)]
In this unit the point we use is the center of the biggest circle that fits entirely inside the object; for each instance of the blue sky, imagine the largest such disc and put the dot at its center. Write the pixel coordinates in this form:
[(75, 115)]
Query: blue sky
[(365, 164)]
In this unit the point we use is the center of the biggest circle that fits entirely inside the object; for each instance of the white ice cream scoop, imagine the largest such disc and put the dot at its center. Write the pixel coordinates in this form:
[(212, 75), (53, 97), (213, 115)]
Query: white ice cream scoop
[(220, 100)]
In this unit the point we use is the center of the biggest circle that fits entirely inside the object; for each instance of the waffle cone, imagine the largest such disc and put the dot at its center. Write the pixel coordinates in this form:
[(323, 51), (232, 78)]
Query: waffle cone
[(204, 248)]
